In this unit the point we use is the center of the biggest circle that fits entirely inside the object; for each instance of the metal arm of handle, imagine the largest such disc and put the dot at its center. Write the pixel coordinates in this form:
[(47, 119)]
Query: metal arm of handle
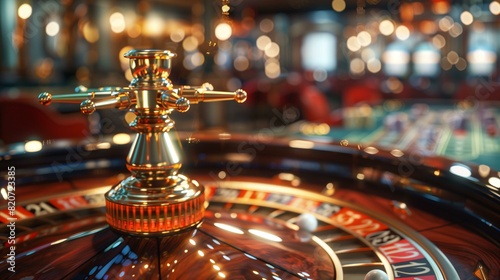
[(118, 101), (181, 97), (205, 93), (46, 98)]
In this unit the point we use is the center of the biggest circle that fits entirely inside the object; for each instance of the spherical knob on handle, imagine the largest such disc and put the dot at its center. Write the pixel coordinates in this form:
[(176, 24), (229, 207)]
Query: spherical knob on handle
[(45, 98), (182, 105), (87, 107), (240, 96)]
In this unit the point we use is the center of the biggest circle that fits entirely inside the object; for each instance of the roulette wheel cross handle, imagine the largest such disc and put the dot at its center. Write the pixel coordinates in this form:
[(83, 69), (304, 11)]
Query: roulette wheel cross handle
[(155, 200)]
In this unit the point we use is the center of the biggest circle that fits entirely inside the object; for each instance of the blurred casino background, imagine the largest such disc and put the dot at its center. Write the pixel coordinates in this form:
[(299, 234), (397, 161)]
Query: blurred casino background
[(418, 76)]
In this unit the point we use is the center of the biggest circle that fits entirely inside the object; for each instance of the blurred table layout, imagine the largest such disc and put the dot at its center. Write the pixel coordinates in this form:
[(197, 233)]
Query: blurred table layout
[(462, 132)]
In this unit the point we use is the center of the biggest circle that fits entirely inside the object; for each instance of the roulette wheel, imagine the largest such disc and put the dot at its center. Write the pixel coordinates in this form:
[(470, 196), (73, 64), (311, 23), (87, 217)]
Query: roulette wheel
[(234, 206)]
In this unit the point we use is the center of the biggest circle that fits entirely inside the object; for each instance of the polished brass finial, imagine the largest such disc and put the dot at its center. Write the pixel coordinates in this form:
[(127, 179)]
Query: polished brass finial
[(155, 199)]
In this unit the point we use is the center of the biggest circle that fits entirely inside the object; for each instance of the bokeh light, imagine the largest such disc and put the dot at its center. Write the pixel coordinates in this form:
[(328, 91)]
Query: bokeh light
[(353, 44), (466, 17), (223, 31), (52, 28), (24, 11), (386, 27), (90, 32), (364, 38), (266, 25), (272, 50), (338, 5), (177, 35), (495, 8), (190, 44), (402, 32)]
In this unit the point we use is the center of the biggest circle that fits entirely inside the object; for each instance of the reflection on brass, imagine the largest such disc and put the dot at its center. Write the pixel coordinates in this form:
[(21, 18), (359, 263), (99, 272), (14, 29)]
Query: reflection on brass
[(481, 271), (155, 199)]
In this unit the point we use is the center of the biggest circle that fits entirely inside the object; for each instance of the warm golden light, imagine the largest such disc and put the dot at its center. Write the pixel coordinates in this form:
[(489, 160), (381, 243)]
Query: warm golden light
[(52, 28), (418, 8), (33, 146), (402, 32), (466, 17), (223, 31), (386, 27), (301, 144), (445, 64), (367, 54), (262, 42), (441, 7), (353, 44), (265, 235), (439, 41), (371, 150), (338, 5), (190, 44), (452, 57), (241, 63), (495, 8), (3, 191), (24, 11), (266, 25), (484, 170), (394, 85), (364, 38), (446, 23), (494, 181), (397, 153), (428, 27), (177, 35), (134, 31), (103, 146), (197, 59), (123, 60), (357, 66), (374, 65), (272, 50), (154, 26), (90, 32), (456, 30), (272, 68), (229, 228), (322, 129), (117, 21), (121, 138)]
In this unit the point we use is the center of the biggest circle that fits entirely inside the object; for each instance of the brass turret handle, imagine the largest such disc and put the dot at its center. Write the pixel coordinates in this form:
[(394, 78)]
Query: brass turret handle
[(155, 199), (176, 97)]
